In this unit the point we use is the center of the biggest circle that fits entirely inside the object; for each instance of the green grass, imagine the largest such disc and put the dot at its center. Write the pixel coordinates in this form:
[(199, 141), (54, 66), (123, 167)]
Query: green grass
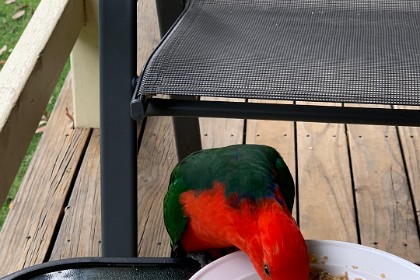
[(12, 29), (9, 35)]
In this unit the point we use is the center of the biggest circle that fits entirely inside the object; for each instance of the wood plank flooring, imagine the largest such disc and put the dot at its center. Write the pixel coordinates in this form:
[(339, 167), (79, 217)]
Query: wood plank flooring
[(29, 231), (386, 216), (355, 183)]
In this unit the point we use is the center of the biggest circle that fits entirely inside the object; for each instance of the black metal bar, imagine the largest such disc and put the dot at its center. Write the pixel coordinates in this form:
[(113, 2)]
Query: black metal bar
[(187, 135), (168, 11), (118, 47), (307, 113)]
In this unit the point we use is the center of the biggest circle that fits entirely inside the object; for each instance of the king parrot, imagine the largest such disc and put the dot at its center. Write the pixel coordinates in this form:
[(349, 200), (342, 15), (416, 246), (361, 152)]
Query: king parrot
[(238, 196)]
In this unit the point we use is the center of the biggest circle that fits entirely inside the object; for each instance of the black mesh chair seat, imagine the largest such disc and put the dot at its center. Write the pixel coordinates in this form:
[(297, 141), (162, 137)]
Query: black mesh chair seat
[(357, 51)]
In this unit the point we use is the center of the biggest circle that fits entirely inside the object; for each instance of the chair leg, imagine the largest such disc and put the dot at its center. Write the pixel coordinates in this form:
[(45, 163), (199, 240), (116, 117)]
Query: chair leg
[(168, 11), (187, 133), (187, 136), (118, 130)]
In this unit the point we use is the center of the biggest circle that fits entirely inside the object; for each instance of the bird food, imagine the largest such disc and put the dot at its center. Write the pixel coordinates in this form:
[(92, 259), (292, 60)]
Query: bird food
[(319, 274)]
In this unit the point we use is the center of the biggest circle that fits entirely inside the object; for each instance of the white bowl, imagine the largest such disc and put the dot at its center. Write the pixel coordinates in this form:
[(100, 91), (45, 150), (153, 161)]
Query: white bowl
[(334, 257)]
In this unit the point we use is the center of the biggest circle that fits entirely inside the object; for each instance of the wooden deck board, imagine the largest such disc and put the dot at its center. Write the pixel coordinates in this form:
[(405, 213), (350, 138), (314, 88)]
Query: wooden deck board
[(325, 189), (385, 212), (29, 230), (410, 142), (156, 159), (80, 229), (219, 132)]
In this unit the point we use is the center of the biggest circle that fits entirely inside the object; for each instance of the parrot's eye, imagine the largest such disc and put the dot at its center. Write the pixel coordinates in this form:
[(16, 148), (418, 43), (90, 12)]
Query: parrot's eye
[(266, 269)]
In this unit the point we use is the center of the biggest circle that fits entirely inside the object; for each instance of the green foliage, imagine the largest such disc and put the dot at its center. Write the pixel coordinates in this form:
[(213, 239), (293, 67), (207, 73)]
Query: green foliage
[(9, 35)]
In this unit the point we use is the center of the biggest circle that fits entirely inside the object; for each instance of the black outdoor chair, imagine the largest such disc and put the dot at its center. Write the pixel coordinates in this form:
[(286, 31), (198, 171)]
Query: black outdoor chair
[(340, 51)]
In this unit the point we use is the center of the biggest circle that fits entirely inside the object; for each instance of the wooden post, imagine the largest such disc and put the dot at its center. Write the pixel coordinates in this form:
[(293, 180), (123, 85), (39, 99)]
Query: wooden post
[(85, 70)]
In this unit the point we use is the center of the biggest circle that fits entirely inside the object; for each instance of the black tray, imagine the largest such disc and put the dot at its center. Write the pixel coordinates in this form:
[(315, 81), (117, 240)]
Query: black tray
[(110, 268)]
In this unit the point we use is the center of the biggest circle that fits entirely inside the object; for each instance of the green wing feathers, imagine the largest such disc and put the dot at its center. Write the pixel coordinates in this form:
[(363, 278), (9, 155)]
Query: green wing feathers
[(285, 182), (248, 171), (174, 218)]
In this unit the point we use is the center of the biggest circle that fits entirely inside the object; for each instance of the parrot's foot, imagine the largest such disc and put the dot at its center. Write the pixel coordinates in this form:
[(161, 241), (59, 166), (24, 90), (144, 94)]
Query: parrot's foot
[(206, 257), (203, 258)]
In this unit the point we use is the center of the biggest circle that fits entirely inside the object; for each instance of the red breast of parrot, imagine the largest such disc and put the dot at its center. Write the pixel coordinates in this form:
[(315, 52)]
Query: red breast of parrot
[(239, 196)]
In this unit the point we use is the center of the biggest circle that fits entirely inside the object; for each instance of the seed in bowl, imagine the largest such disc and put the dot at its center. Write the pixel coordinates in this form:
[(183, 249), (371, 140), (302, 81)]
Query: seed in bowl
[(319, 274)]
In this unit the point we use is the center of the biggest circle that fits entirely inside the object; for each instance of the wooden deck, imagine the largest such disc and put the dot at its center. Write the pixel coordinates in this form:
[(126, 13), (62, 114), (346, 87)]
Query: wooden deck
[(356, 183)]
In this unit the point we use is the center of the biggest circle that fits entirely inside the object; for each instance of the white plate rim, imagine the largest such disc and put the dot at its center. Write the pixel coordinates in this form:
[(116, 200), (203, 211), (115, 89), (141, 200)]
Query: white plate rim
[(243, 259)]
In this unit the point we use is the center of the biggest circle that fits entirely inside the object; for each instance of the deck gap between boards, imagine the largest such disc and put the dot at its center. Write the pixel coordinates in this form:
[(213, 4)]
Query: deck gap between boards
[(67, 197), (353, 185), (296, 172), (244, 131), (140, 133), (245, 128), (410, 186)]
